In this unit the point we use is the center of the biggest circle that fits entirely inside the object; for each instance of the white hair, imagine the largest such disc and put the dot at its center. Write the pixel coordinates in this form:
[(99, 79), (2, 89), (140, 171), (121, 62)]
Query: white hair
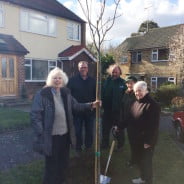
[(54, 72), (140, 85)]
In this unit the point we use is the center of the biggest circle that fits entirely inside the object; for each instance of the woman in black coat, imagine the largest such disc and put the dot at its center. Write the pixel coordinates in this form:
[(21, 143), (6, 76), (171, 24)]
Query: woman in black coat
[(52, 121), (143, 121)]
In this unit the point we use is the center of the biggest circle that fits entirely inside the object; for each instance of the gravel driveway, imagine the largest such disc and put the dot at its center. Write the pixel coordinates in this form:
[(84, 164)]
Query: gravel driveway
[(16, 146)]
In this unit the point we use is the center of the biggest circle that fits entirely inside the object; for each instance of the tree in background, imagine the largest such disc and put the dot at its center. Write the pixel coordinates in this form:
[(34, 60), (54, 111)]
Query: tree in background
[(107, 60), (147, 25), (100, 23)]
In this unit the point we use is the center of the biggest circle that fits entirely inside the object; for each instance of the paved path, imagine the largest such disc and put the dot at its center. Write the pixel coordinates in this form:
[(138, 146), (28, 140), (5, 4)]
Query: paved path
[(16, 146)]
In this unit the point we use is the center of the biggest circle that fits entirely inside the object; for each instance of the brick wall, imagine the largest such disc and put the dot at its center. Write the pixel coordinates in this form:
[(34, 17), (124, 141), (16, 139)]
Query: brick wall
[(21, 74), (153, 69), (32, 87)]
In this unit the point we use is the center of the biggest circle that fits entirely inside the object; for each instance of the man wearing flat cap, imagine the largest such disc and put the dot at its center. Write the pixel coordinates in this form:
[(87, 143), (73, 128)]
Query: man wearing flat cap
[(128, 99)]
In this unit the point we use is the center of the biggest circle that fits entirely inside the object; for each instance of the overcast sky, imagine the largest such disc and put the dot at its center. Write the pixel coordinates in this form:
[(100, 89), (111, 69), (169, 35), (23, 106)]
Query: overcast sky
[(134, 12)]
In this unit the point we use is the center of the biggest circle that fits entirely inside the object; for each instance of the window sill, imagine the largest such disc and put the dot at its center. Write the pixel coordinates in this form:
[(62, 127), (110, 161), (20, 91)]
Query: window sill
[(155, 61), (74, 40), (136, 62), (35, 80), (54, 36)]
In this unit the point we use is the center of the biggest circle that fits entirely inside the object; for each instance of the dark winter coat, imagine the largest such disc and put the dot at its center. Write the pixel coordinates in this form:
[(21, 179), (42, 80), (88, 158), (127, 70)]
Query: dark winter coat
[(127, 101), (112, 93), (143, 121), (82, 90), (42, 117)]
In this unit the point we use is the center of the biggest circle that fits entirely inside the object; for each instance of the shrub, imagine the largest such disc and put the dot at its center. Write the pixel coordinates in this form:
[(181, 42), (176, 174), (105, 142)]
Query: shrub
[(166, 93), (177, 103)]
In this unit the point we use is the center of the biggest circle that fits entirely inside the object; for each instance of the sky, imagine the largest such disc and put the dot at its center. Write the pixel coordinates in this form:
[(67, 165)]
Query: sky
[(133, 13)]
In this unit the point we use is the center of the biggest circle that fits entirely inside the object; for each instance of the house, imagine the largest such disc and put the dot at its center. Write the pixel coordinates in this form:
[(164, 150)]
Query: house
[(149, 56), (35, 32)]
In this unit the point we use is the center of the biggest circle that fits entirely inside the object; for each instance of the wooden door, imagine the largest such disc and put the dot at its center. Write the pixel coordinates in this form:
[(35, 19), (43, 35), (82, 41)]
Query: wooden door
[(8, 75)]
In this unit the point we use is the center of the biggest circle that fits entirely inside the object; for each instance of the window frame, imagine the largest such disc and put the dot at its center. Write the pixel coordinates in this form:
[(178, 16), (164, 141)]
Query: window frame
[(124, 60), (73, 33), (32, 15), (156, 52), (155, 79), (31, 68), (137, 54), (3, 14)]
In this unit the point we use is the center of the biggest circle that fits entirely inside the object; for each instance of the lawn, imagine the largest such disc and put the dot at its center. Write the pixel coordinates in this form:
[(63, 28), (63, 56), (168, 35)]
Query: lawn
[(12, 119), (168, 167)]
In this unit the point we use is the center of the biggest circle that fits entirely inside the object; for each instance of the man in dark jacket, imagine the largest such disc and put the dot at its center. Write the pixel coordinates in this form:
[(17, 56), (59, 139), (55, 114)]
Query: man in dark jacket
[(83, 89), (127, 101), (112, 92), (143, 121)]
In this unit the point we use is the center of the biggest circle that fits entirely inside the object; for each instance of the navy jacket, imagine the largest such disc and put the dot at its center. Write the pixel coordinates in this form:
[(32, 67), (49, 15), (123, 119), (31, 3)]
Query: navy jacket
[(82, 90), (42, 117)]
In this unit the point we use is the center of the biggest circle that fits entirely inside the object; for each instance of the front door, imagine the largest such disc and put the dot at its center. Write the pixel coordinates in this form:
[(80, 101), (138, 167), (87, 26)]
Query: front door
[(8, 75)]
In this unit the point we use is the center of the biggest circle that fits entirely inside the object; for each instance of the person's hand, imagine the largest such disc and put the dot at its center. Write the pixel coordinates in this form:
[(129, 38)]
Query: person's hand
[(96, 103), (115, 131), (146, 146)]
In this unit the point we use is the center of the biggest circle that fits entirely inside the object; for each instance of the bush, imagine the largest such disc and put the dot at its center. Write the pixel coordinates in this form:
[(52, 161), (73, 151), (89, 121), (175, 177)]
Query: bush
[(177, 103), (166, 93)]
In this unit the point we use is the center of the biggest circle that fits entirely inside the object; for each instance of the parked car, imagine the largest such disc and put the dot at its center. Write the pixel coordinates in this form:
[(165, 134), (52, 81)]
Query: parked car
[(178, 123)]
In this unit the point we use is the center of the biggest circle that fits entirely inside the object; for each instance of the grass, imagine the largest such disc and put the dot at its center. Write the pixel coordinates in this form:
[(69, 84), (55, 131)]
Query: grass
[(13, 119), (168, 167)]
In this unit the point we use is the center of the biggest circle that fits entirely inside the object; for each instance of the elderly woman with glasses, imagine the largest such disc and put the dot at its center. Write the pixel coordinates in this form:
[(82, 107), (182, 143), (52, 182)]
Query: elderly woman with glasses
[(52, 121)]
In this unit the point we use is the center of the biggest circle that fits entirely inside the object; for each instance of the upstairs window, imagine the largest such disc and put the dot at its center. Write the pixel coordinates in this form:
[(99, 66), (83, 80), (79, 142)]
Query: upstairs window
[(37, 23), (136, 57), (160, 55), (73, 31), (1, 15)]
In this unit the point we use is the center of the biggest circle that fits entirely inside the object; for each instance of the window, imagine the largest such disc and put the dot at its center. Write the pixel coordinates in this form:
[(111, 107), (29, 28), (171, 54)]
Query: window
[(51, 65), (11, 68), (160, 55), (37, 23), (136, 57), (4, 67), (37, 70), (156, 82), (124, 59), (73, 31), (1, 15)]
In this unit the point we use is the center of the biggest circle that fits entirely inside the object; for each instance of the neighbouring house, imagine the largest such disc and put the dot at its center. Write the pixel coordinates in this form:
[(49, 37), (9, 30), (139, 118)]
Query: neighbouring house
[(33, 33), (149, 56)]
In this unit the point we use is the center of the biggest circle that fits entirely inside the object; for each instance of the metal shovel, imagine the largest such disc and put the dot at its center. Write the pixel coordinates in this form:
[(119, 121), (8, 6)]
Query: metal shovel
[(104, 179)]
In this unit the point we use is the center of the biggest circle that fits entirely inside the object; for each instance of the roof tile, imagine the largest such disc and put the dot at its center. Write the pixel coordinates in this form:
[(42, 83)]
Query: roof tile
[(155, 38)]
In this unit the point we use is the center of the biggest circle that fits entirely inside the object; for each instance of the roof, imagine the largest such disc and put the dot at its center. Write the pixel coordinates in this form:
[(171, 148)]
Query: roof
[(155, 38), (73, 51), (52, 7), (9, 45)]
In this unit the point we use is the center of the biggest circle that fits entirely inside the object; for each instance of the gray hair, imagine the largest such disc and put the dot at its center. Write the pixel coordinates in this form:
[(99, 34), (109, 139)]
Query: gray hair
[(82, 62), (54, 72), (141, 85), (112, 67)]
